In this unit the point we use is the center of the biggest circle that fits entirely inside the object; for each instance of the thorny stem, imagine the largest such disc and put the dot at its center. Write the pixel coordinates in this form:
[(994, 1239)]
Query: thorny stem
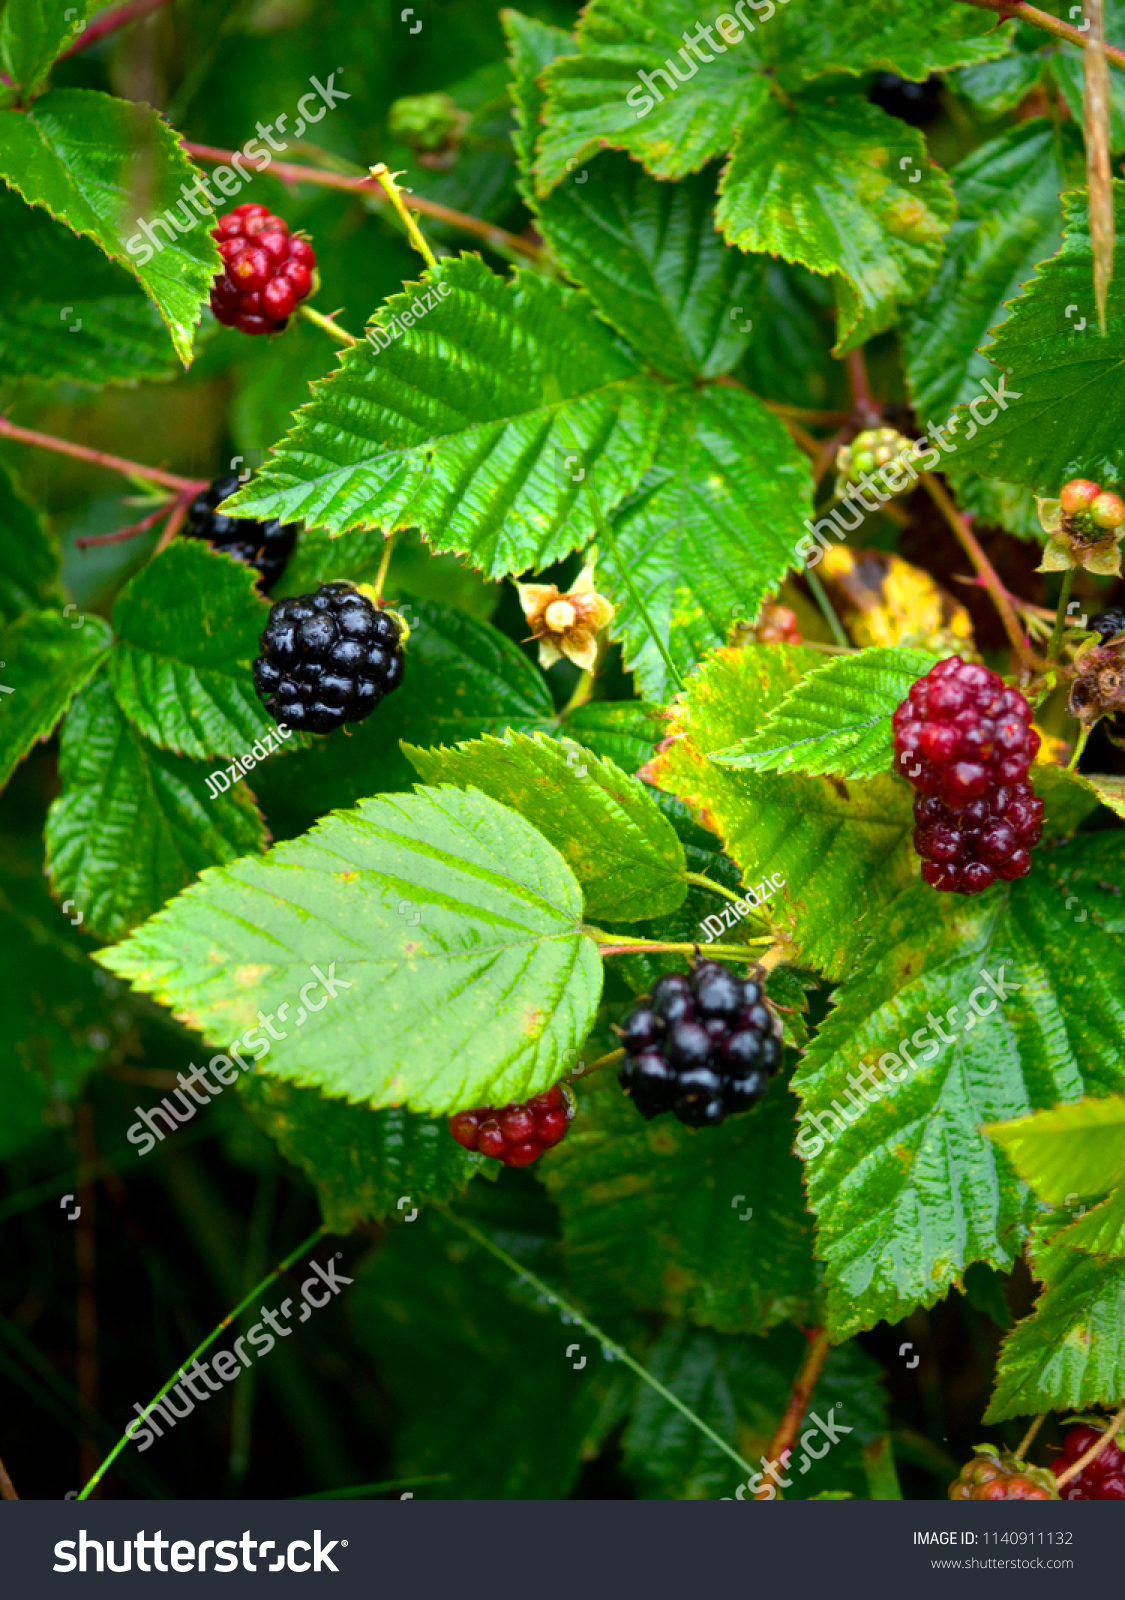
[(374, 1488), (968, 541), (1006, 9), (1095, 1450), (1029, 1437), (100, 458), (290, 172), (319, 320), (865, 407), (132, 532), (110, 23), (281, 1267), (7, 1487), (1055, 642), (384, 565), (803, 1386), (386, 181), (618, 1351), (828, 610)]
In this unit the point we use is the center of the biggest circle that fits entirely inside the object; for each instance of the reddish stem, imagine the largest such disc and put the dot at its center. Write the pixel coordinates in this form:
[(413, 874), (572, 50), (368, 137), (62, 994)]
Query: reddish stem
[(1007, 9), (7, 1487), (961, 526), (110, 22), (132, 532), (289, 173), (803, 1386), (866, 410), (100, 458)]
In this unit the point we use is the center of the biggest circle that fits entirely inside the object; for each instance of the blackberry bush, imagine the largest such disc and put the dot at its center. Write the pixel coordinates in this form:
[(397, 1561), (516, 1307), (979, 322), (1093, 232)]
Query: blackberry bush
[(732, 417)]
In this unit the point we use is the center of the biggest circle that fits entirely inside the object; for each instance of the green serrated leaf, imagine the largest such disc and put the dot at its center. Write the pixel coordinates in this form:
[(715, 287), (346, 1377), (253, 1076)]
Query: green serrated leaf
[(604, 823), (1070, 797), (1059, 371), (646, 252), (454, 923), (45, 662), (68, 313), (96, 164), (741, 1388), (1009, 218), (33, 33), (1070, 1353), (833, 182), (655, 1214), (187, 631), (1101, 1232), (362, 1163), (462, 424), (684, 111), (709, 534), (833, 843), (1070, 1151), (907, 1189), (838, 719), (134, 825), (29, 561)]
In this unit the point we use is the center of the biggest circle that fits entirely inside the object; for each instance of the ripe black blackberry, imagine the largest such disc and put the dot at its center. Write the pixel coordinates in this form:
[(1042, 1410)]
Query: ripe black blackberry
[(702, 1045), (1108, 623), (265, 546), (916, 103), (328, 658), (966, 743)]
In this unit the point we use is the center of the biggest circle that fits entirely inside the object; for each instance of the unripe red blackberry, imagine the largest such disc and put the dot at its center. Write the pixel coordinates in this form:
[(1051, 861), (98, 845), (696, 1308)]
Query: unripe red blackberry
[(992, 1475), (703, 1045), (328, 658), (268, 271), (1078, 495), (966, 743), (1107, 510), (1103, 1478), (517, 1135), (265, 546)]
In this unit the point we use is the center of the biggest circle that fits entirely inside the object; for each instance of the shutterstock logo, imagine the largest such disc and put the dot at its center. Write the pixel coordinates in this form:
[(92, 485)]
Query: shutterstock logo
[(96, 1555)]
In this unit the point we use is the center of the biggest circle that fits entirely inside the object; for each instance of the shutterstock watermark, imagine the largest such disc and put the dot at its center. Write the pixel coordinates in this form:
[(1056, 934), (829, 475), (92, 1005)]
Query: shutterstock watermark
[(733, 30), (896, 1066), (773, 1469), (200, 205), (147, 1132), (898, 474)]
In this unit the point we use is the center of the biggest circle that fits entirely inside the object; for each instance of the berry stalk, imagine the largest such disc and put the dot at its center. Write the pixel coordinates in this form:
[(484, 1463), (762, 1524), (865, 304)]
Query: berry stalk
[(618, 1351), (1055, 643), (1007, 9), (326, 324), (7, 1487), (607, 947), (282, 1266)]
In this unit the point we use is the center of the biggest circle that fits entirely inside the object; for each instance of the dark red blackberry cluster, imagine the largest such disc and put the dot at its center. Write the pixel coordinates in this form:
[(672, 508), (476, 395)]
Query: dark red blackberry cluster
[(517, 1135), (327, 658), (1103, 1479), (265, 546), (702, 1045), (966, 744), (268, 270)]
